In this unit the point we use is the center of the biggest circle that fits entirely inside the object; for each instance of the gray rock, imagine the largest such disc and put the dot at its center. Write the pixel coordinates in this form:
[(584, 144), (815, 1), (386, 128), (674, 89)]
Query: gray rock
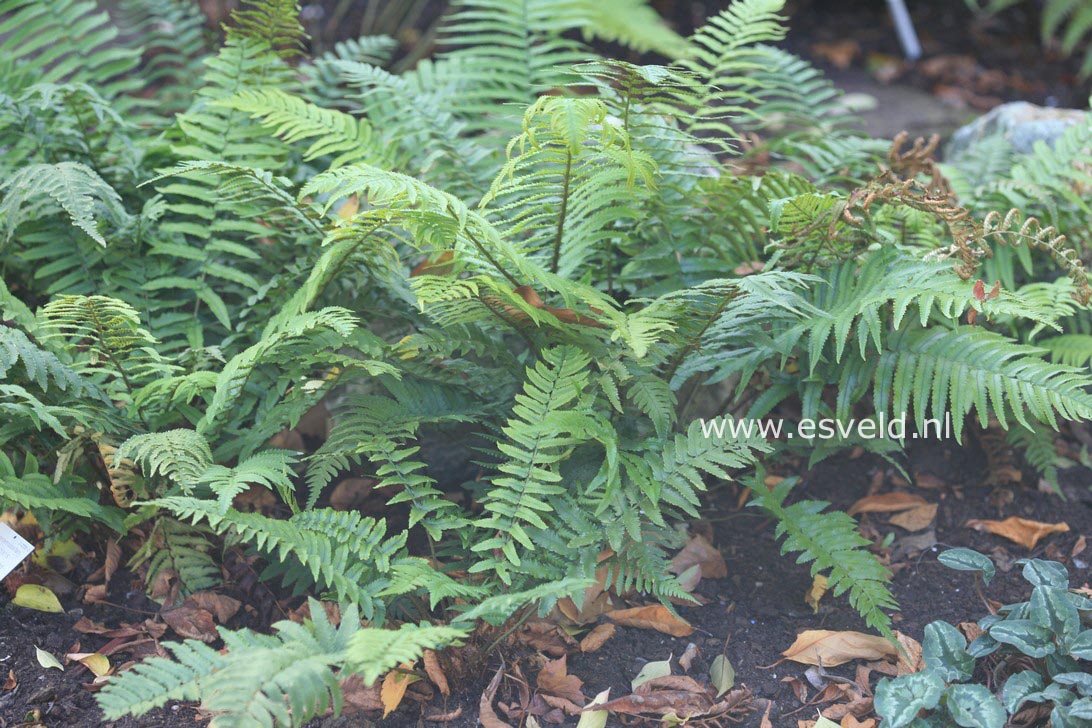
[(1020, 123)]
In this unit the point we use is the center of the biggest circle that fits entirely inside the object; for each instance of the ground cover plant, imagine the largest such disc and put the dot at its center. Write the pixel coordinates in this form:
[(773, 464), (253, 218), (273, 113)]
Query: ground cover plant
[(517, 274)]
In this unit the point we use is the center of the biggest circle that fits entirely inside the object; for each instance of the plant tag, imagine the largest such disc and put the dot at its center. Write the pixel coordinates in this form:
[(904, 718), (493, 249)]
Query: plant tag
[(13, 549)]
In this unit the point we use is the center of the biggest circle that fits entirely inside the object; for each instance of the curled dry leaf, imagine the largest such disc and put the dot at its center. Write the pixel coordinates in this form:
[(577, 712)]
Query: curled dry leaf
[(698, 551), (887, 503), (687, 657), (436, 673), (10, 684), (444, 717), (915, 519), (597, 637), (1019, 530), (828, 648), (93, 661), (113, 558), (816, 592), (653, 616), (486, 715), (910, 661)]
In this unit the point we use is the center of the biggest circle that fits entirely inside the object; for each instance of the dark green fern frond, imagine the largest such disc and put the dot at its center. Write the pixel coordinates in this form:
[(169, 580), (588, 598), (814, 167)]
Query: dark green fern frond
[(829, 542), (293, 119), (36, 492)]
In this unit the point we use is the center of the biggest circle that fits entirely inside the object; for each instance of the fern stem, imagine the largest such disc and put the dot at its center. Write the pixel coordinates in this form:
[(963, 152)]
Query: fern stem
[(556, 258), (684, 352), (493, 261)]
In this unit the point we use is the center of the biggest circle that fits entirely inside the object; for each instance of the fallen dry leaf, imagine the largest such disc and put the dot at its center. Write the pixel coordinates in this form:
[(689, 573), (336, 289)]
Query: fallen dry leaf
[(486, 715), (444, 717), (93, 661), (700, 552), (10, 684), (192, 622), (1019, 530), (221, 606), (839, 53), (851, 722), (828, 648), (597, 637), (687, 657), (910, 661), (554, 679), (546, 637), (436, 673), (394, 688), (653, 616), (765, 723), (915, 519), (816, 592), (887, 503), (359, 697)]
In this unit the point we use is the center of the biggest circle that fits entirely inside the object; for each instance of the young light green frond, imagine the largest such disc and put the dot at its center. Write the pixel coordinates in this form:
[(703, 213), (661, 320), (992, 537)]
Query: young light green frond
[(954, 371), (270, 469), (372, 652), (36, 190), (1071, 350), (830, 544), (259, 680), (183, 456)]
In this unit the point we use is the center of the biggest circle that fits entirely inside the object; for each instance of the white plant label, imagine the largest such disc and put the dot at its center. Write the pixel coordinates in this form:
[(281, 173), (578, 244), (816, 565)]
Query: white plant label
[(13, 549)]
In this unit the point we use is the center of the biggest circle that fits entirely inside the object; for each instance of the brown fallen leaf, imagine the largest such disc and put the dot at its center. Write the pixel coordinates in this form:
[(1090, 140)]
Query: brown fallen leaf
[(765, 723), (687, 657), (10, 684), (394, 687), (1019, 530), (700, 552), (546, 637), (436, 673), (359, 697), (816, 592), (887, 503), (486, 715), (554, 679), (113, 558), (839, 53), (915, 519), (851, 722), (597, 637), (828, 648), (444, 717), (653, 616), (221, 606), (909, 662), (192, 622)]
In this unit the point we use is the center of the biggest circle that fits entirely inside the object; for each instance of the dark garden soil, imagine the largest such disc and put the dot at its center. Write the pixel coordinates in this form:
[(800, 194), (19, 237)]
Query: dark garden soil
[(756, 611)]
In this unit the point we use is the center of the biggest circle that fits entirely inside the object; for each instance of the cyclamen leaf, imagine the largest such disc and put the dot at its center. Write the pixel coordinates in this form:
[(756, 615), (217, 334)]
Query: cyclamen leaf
[(1025, 635), (944, 649), (964, 559), (898, 701), (973, 706)]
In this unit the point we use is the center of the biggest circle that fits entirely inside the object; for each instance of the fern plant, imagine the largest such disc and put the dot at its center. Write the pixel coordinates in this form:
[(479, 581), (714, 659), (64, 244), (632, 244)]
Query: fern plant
[(553, 253)]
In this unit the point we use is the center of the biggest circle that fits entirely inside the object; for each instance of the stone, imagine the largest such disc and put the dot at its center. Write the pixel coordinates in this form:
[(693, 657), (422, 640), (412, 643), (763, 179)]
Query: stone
[(1020, 123)]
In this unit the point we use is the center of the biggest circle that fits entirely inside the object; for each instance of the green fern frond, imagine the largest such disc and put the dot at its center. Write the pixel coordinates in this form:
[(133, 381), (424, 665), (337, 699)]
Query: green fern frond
[(951, 372), (270, 469), (37, 493), (35, 189), (372, 652), (829, 542), (183, 456), (293, 119)]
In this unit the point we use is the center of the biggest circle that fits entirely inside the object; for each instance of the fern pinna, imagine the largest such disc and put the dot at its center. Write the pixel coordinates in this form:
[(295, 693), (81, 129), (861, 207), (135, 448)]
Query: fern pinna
[(554, 254)]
